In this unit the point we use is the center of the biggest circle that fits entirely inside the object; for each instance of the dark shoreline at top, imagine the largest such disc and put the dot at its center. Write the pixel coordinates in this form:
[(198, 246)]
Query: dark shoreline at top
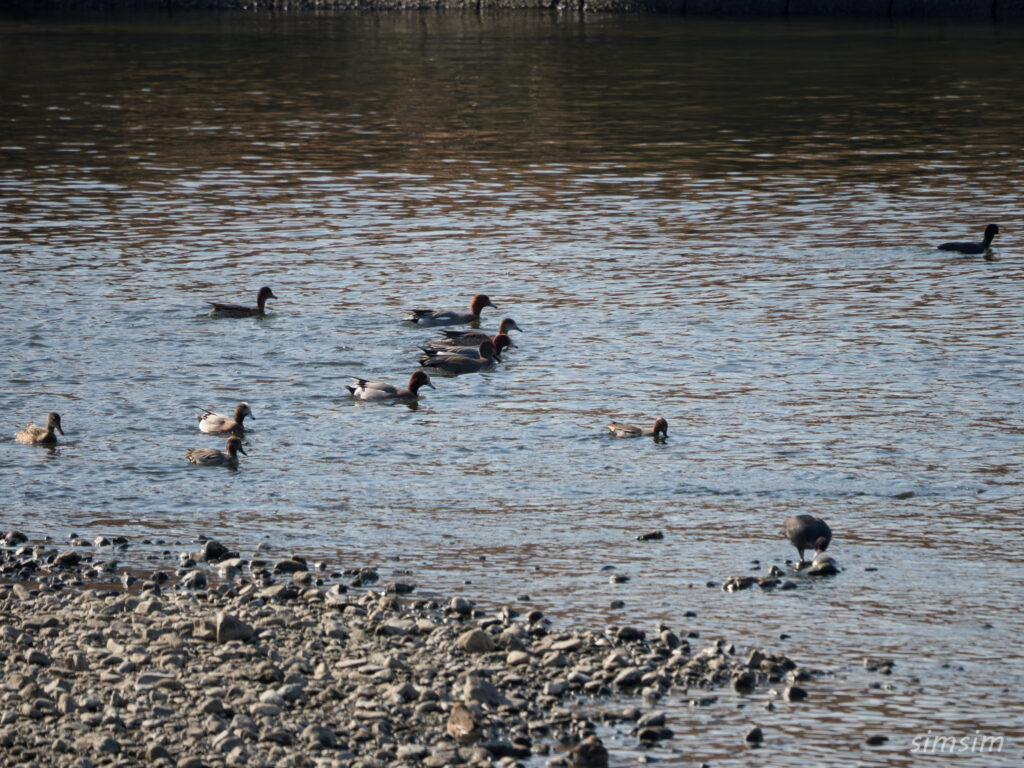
[(959, 10)]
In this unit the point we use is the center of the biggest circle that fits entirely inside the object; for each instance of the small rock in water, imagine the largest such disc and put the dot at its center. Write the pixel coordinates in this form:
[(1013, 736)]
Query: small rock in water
[(794, 693), (754, 736), (823, 565), (876, 740)]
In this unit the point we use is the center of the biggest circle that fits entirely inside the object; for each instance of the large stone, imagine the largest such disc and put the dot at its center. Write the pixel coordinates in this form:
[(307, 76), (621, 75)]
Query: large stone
[(229, 628), (475, 641)]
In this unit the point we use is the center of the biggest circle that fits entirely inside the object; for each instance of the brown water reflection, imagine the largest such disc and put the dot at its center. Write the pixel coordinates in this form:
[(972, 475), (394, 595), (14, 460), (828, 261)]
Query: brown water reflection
[(728, 224)]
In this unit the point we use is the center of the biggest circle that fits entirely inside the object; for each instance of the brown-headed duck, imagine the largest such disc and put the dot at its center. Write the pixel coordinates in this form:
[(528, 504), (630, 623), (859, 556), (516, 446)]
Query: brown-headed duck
[(461, 338), (33, 434), (211, 457), (431, 317), (240, 310), (660, 429), (501, 342), (487, 356), (972, 249), (806, 531), (219, 424), (365, 389)]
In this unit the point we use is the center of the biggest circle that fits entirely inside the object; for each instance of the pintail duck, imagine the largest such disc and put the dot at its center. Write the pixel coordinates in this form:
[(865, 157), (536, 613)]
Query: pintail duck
[(660, 429), (487, 356), (33, 433), (973, 248), (240, 310), (460, 338), (211, 457), (431, 317), (217, 423), (501, 342), (379, 390), (806, 531)]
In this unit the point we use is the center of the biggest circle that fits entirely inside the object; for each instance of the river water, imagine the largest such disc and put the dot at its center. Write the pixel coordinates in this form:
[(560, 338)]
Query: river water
[(728, 224)]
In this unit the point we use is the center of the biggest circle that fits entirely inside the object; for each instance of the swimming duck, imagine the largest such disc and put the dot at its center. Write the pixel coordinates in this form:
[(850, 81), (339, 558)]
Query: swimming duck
[(501, 341), (973, 248), (806, 531), (660, 428), (43, 435), (487, 355), (217, 423), (211, 457), (460, 338), (379, 390), (240, 310), (431, 317)]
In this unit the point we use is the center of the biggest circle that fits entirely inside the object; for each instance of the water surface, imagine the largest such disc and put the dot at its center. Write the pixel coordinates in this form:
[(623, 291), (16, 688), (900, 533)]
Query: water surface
[(728, 224)]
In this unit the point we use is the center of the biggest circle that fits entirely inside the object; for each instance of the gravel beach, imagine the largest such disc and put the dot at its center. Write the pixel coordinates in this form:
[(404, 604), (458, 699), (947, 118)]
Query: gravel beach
[(219, 660)]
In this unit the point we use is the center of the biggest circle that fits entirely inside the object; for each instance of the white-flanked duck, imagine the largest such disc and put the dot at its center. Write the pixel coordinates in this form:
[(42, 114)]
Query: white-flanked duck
[(973, 248), (241, 310), (211, 457), (660, 429), (807, 531), (431, 317), (501, 342), (218, 424), (365, 389), (462, 338), (34, 434), (487, 355)]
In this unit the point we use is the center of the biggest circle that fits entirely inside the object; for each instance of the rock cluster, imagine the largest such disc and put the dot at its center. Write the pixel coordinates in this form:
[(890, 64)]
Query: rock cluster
[(237, 669)]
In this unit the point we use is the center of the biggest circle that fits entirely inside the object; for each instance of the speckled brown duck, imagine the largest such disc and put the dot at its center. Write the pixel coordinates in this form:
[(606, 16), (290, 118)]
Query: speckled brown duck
[(33, 434)]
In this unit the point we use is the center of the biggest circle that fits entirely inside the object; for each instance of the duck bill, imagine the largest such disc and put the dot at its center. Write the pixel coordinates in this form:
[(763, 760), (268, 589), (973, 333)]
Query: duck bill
[(242, 450), (57, 427)]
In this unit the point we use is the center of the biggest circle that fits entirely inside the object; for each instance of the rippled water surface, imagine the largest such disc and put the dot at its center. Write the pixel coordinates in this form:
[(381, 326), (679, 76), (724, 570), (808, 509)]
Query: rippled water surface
[(731, 225)]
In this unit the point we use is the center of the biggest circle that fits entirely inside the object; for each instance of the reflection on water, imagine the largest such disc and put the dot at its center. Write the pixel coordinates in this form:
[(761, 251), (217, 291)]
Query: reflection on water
[(726, 224)]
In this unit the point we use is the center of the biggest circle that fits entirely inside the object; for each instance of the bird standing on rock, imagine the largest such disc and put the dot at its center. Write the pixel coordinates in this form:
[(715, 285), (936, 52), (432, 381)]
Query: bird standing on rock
[(806, 531)]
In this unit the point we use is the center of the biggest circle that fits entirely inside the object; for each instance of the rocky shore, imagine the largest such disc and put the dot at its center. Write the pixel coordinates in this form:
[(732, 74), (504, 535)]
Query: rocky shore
[(228, 661)]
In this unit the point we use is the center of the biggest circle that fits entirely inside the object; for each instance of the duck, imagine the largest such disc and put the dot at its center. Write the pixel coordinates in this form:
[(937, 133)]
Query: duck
[(211, 457), (432, 317), (365, 389), (240, 310), (806, 531), (217, 423), (487, 355), (34, 434), (973, 248), (501, 342), (460, 338), (660, 429)]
